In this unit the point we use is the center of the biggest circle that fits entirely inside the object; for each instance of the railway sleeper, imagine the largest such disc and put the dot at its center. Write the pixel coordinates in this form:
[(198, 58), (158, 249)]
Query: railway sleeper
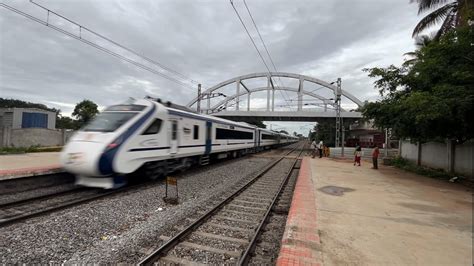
[(233, 205), (243, 213), (247, 203), (173, 260), (195, 246), (220, 216), (231, 228)]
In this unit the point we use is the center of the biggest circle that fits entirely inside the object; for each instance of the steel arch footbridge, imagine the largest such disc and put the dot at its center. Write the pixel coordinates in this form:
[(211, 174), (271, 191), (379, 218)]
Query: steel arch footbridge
[(221, 109)]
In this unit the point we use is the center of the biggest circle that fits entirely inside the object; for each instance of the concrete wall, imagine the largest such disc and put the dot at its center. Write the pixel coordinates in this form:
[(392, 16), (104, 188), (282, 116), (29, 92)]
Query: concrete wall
[(438, 155), (26, 137), (463, 160), (409, 151), (434, 155)]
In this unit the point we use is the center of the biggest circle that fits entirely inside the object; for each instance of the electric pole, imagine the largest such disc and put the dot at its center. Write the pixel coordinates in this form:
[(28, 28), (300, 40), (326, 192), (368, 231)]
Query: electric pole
[(338, 111), (199, 99)]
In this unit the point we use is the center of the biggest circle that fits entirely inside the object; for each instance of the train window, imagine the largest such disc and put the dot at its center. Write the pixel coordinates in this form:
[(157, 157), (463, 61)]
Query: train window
[(232, 134), (126, 107), (196, 132), (268, 136), (174, 130), (109, 121), (153, 128)]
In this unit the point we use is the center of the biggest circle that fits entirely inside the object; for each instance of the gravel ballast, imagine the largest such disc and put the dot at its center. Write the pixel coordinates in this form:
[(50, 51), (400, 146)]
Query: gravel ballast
[(30, 187), (119, 228)]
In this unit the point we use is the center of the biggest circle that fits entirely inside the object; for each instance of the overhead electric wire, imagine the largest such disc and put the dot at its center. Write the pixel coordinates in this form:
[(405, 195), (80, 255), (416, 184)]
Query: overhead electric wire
[(79, 38), (250, 36), (117, 44), (265, 46), (248, 33)]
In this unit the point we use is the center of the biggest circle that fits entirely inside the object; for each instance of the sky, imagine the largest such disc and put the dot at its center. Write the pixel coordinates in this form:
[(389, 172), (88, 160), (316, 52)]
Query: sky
[(204, 42)]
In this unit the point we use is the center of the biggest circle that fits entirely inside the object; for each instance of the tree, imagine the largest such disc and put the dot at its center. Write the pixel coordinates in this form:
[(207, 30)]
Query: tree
[(10, 103), (325, 130), (420, 42), (65, 122), (284, 132), (452, 15), (431, 100), (85, 111), (257, 122)]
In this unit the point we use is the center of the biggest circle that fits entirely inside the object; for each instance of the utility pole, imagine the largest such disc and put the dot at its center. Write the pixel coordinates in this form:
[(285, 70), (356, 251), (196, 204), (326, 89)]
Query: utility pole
[(343, 138), (199, 99), (338, 111), (386, 143)]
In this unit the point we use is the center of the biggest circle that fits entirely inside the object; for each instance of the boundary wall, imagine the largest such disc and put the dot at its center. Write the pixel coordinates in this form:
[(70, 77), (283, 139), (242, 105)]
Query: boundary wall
[(457, 158), (27, 137)]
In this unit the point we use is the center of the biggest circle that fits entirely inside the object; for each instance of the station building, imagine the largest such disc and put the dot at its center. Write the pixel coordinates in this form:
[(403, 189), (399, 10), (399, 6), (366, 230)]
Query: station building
[(15, 118)]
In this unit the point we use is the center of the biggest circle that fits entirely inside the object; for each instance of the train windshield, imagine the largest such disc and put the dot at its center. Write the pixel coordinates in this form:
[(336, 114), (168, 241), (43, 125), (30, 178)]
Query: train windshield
[(109, 121)]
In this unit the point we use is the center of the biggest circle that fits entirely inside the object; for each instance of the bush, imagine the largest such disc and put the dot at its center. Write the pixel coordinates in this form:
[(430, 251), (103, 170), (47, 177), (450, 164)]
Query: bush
[(20, 150), (406, 165)]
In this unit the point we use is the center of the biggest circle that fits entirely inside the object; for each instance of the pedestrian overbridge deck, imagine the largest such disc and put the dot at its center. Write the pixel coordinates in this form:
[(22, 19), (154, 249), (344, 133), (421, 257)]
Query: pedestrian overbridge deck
[(286, 115)]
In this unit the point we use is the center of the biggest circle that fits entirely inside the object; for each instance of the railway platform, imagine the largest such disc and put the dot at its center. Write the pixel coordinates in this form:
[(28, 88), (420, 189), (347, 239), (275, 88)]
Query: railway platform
[(343, 214), (28, 164)]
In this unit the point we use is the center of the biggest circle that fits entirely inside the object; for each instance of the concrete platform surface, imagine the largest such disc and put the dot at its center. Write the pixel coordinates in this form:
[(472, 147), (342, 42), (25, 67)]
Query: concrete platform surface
[(28, 164), (376, 217)]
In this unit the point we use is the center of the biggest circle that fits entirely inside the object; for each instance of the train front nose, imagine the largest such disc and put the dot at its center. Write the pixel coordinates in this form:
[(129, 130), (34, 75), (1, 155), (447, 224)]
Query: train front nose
[(82, 158)]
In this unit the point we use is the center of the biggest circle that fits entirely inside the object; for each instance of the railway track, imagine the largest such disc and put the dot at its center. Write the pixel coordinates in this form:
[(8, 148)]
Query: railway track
[(229, 232), (17, 211)]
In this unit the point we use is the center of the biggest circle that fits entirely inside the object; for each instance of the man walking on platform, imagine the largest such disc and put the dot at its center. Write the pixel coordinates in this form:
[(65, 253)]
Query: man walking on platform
[(313, 148), (320, 149), (375, 157)]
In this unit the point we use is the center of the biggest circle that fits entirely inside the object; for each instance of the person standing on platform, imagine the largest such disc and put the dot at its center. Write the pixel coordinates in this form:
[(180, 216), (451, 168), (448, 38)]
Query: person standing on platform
[(320, 148), (357, 155), (375, 157), (313, 148)]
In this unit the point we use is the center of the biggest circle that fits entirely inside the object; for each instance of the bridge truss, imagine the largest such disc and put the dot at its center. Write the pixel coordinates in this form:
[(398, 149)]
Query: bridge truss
[(241, 90)]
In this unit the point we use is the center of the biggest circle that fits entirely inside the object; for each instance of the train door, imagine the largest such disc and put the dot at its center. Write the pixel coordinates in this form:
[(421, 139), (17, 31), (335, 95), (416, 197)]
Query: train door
[(258, 137), (255, 136), (173, 136), (208, 137)]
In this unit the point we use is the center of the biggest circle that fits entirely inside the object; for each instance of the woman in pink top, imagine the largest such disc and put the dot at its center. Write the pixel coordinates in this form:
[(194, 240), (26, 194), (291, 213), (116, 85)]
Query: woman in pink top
[(357, 155)]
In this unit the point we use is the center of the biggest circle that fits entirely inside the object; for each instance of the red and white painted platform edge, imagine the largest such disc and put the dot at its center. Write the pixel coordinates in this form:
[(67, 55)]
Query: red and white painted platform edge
[(300, 243), (27, 172)]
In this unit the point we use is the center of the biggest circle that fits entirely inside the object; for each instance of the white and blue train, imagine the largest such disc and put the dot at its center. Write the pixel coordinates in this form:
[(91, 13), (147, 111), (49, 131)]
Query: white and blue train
[(149, 137)]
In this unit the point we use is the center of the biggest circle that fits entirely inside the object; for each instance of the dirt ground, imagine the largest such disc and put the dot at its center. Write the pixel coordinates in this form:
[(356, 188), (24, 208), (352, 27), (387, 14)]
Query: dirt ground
[(27, 160), (389, 216)]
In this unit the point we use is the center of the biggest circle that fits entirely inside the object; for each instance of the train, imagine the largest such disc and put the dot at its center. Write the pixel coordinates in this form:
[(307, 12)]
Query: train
[(153, 138)]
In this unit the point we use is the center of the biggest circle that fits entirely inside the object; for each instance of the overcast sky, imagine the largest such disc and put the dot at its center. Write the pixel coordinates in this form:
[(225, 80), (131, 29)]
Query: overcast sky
[(203, 40)]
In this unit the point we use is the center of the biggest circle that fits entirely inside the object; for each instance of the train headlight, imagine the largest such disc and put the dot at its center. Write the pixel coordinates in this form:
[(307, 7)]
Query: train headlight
[(115, 143)]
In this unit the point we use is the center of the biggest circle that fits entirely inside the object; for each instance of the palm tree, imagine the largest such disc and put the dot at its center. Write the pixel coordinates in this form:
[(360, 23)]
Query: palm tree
[(452, 14), (420, 42)]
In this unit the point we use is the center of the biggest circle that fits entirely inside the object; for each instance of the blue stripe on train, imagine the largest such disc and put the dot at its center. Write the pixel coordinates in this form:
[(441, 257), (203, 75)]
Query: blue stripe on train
[(107, 158)]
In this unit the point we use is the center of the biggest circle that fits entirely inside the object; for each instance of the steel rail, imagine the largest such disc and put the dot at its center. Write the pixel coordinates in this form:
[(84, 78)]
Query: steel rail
[(244, 259), (172, 242), (54, 208), (42, 197)]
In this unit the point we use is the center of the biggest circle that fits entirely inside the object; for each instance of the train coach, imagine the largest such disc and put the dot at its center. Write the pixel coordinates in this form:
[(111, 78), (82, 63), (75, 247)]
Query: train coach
[(153, 138)]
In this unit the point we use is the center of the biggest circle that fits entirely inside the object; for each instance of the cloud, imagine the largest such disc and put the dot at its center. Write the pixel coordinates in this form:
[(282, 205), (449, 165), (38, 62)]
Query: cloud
[(203, 40)]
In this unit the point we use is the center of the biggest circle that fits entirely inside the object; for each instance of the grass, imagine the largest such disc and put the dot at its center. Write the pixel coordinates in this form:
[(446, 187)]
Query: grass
[(404, 164), (20, 150)]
